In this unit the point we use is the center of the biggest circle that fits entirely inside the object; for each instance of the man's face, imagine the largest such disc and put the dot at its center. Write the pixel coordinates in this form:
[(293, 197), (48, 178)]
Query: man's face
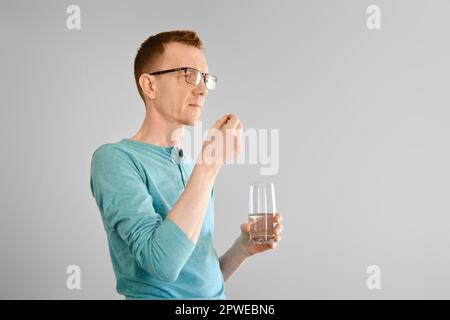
[(173, 94)]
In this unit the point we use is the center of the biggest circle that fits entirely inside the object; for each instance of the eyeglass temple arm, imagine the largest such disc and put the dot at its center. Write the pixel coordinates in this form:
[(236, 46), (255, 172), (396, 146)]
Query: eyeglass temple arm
[(166, 71)]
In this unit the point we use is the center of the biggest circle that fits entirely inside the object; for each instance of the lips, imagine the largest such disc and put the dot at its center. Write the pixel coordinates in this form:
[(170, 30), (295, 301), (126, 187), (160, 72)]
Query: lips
[(195, 105)]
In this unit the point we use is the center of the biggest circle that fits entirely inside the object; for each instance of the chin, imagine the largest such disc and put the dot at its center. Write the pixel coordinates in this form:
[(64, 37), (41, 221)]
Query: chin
[(190, 122)]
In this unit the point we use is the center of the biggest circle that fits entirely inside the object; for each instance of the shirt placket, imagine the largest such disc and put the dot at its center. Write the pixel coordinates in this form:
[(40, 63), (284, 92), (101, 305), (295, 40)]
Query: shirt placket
[(179, 163)]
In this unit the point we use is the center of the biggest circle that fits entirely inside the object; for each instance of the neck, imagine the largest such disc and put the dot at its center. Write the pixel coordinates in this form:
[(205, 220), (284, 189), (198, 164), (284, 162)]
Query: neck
[(159, 131)]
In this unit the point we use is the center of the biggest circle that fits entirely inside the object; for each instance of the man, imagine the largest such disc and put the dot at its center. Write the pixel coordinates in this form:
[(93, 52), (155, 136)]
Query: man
[(157, 205)]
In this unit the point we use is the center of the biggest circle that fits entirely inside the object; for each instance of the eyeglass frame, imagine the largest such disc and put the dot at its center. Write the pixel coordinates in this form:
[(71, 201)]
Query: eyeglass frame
[(204, 75)]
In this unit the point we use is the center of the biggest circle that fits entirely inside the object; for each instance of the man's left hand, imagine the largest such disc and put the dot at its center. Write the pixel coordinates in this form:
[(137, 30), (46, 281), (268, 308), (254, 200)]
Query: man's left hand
[(250, 249)]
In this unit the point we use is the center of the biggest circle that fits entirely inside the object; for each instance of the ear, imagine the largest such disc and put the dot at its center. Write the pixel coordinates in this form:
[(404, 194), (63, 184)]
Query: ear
[(148, 85)]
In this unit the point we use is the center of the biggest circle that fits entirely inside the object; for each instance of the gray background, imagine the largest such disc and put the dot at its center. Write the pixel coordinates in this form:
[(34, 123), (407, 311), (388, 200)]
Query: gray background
[(364, 139)]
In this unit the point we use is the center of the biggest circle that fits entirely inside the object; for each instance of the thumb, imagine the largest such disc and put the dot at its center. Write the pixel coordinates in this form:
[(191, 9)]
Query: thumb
[(245, 227), (221, 122)]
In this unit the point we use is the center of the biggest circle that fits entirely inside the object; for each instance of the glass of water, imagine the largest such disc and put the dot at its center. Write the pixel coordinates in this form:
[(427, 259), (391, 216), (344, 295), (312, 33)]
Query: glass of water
[(262, 210)]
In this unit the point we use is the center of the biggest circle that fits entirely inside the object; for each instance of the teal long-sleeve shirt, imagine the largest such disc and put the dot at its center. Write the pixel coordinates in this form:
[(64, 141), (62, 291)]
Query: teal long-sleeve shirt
[(135, 185)]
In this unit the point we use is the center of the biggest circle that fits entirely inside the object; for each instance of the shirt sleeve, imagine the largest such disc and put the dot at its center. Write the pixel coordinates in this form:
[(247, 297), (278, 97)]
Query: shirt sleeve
[(159, 246)]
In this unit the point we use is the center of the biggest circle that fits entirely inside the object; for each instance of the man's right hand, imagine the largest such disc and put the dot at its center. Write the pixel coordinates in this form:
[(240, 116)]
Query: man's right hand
[(224, 141)]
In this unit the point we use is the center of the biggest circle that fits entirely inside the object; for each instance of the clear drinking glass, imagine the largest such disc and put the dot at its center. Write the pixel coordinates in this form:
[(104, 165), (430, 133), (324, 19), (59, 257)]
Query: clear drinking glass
[(262, 210)]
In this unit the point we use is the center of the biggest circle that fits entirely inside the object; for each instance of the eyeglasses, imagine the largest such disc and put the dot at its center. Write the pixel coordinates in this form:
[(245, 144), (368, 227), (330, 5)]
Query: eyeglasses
[(193, 76)]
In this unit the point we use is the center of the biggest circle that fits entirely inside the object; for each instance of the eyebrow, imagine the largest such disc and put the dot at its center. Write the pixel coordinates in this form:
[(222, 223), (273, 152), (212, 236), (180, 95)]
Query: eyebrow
[(198, 70)]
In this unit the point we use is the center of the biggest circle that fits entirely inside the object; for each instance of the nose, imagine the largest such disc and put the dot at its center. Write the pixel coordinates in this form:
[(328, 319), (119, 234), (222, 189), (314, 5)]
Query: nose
[(201, 89)]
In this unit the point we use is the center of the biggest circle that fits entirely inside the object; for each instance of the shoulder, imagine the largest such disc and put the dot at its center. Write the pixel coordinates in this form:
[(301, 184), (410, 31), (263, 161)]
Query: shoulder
[(108, 150), (111, 154), (115, 161)]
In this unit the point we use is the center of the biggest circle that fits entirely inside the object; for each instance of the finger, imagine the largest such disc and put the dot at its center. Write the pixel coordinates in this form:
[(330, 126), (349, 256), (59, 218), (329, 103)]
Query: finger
[(245, 227), (221, 122), (273, 245), (239, 131), (278, 217), (277, 238), (233, 122), (278, 228)]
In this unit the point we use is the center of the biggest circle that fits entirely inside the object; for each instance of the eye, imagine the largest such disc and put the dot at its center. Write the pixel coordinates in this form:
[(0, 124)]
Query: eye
[(192, 76)]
